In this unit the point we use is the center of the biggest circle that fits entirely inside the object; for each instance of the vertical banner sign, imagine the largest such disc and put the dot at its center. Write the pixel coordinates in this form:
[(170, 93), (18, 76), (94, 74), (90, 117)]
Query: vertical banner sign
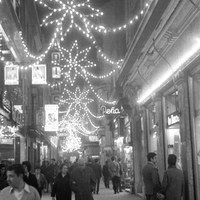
[(51, 117), (39, 74), (56, 72), (11, 74)]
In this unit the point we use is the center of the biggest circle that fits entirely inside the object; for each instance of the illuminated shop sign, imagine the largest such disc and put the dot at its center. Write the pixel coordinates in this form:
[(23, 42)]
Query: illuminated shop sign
[(173, 119), (6, 141), (110, 111)]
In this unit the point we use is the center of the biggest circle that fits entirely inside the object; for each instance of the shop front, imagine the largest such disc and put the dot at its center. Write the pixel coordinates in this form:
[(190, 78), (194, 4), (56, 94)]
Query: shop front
[(172, 136), (194, 88)]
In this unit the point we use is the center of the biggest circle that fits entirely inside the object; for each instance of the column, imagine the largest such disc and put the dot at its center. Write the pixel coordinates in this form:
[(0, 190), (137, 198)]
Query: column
[(160, 135), (185, 132)]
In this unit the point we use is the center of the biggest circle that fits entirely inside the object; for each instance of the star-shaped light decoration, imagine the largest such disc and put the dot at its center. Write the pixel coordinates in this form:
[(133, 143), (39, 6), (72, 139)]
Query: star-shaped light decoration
[(77, 100), (76, 63), (69, 14)]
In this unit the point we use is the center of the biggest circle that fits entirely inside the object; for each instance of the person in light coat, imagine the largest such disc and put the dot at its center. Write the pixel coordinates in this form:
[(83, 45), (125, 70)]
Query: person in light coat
[(18, 188)]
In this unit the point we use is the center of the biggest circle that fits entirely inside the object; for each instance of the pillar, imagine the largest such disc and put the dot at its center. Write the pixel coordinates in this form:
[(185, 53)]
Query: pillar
[(185, 132)]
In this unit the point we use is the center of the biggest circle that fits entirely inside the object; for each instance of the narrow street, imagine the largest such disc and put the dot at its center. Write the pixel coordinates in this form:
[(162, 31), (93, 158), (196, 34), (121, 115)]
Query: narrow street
[(105, 194)]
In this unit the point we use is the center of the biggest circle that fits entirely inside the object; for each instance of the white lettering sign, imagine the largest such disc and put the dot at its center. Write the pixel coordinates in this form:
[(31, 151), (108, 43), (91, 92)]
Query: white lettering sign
[(110, 111), (172, 119)]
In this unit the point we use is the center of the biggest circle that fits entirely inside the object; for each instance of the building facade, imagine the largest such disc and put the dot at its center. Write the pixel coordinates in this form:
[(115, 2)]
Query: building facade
[(160, 79)]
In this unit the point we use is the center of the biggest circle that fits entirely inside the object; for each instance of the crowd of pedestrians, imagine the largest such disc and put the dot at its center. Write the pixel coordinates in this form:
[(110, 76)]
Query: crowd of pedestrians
[(20, 181), (83, 177)]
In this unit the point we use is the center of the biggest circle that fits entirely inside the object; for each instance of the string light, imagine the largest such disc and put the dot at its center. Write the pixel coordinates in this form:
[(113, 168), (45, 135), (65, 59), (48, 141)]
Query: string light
[(131, 22), (77, 103), (69, 10), (71, 143)]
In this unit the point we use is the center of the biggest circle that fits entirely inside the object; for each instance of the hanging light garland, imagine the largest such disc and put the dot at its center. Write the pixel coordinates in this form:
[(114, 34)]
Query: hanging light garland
[(76, 12)]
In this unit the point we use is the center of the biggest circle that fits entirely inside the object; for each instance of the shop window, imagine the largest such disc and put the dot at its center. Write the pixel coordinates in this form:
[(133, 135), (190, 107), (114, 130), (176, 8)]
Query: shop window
[(173, 141), (153, 128)]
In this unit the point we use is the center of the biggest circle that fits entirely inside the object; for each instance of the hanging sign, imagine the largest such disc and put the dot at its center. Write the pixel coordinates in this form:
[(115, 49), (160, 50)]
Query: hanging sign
[(39, 74), (11, 74), (55, 58), (173, 119), (51, 117), (110, 111), (56, 72)]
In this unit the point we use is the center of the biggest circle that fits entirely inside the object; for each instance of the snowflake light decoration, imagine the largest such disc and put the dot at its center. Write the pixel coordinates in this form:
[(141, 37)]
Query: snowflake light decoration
[(69, 14), (77, 100), (77, 64)]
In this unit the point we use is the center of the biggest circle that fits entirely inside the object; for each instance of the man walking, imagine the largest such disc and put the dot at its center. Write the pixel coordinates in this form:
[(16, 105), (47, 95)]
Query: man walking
[(17, 188), (151, 177), (114, 169), (82, 181), (97, 172), (106, 174), (29, 178)]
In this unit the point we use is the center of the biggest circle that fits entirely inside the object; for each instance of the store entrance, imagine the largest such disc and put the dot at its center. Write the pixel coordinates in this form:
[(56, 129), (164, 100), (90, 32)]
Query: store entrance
[(173, 142)]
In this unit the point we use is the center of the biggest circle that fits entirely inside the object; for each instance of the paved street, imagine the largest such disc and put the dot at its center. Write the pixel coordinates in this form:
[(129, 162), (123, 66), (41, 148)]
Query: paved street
[(106, 194)]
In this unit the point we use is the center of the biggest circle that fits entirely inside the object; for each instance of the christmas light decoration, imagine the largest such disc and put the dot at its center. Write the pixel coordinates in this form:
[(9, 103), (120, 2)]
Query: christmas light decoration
[(70, 143), (8, 131), (74, 124), (78, 102), (78, 65), (77, 99), (69, 10), (84, 13)]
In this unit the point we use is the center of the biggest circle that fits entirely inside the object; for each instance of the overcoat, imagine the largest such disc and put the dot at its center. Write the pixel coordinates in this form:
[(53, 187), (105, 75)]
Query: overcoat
[(151, 179), (83, 182), (61, 188), (172, 184)]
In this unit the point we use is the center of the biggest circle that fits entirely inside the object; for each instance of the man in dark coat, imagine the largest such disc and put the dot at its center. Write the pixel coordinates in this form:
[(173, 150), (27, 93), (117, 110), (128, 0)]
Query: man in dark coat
[(151, 177), (97, 172), (106, 174), (29, 178), (61, 187), (52, 171), (82, 181), (173, 180)]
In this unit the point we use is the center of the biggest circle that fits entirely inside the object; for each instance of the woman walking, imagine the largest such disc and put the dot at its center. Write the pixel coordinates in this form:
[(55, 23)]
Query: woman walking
[(61, 187)]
